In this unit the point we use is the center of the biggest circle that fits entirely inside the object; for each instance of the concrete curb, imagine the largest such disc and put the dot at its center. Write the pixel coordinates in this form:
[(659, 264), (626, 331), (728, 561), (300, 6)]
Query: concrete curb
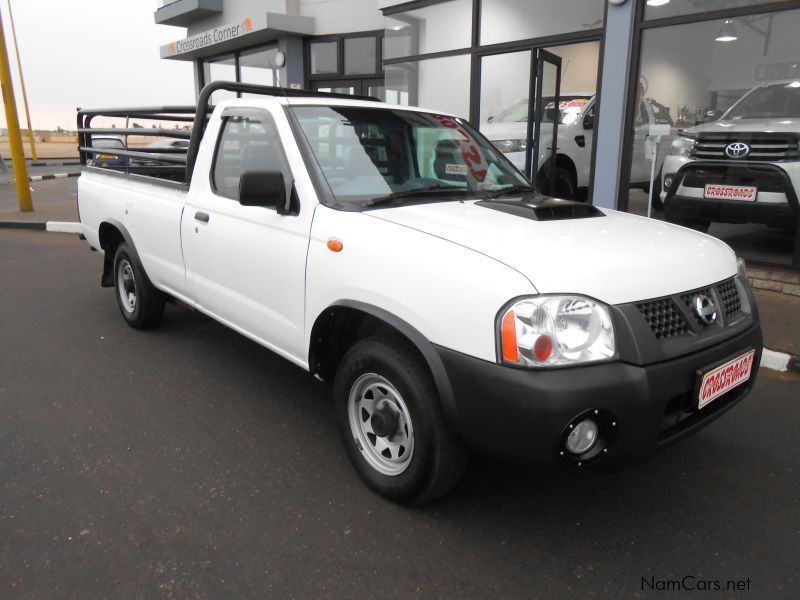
[(53, 176)]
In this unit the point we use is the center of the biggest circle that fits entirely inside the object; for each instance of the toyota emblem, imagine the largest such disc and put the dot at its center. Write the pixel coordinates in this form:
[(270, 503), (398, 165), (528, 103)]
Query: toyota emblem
[(737, 150), (704, 308)]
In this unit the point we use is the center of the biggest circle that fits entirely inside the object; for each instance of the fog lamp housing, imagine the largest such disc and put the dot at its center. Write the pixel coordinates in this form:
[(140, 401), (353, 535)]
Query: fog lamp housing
[(588, 436)]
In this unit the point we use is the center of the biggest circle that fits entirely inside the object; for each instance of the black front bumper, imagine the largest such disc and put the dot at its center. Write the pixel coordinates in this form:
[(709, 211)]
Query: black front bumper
[(522, 416), (763, 176)]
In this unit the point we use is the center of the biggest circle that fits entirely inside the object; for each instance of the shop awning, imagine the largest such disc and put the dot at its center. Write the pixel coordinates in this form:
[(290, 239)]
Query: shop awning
[(250, 31)]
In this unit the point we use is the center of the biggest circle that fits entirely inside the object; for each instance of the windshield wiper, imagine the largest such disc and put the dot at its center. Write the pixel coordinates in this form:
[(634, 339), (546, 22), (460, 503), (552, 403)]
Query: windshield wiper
[(422, 191), (514, 189)]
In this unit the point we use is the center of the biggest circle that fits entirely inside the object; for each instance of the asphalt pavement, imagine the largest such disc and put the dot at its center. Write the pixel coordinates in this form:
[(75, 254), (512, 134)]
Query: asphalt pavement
[(191, 462)]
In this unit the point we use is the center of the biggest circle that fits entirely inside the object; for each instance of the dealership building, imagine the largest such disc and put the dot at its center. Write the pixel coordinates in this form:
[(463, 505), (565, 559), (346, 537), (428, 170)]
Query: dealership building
[(640, 85)]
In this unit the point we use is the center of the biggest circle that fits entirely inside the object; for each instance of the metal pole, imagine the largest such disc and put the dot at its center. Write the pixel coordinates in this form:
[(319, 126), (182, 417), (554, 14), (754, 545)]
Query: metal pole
[(656, 139), (22, 85), (12, 120)]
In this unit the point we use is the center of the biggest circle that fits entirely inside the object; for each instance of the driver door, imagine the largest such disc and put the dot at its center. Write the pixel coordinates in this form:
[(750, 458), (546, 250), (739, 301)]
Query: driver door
[(247, 263)]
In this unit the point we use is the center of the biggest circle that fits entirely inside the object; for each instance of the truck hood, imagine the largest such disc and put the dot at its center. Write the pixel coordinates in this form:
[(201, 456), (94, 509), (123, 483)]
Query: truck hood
[(616, 258), (748, 125), (515, 131)]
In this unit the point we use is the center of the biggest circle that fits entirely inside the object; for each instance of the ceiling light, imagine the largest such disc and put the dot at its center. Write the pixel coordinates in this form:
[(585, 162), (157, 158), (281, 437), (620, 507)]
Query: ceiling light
[(657, 2), (727, 33)]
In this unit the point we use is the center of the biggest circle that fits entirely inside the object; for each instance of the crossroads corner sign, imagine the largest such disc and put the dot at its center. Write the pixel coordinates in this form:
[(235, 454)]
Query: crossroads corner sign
[(208, 38)]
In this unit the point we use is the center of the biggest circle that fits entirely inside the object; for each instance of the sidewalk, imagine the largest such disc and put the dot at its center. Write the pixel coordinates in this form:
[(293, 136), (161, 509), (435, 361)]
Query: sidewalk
[(53, 200)]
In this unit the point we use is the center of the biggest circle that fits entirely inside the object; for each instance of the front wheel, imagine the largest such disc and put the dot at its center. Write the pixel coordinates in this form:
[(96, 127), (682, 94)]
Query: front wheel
[(392, 424), (140, 302)]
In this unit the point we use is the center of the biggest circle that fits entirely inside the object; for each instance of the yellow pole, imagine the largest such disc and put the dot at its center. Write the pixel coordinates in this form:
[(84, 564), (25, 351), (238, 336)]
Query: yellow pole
[(22, 85), (12, 121)]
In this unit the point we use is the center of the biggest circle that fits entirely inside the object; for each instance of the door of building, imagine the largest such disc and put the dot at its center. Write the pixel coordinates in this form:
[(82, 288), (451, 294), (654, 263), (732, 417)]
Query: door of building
[(518, 109)]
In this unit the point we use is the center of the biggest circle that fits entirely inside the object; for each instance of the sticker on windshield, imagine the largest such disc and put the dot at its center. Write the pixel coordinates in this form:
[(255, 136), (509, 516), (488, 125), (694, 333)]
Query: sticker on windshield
[(476, 165), (456, 169)]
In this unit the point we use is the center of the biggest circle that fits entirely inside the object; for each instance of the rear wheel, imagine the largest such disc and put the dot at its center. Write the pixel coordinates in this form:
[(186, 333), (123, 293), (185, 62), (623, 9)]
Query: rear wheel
[(392, 424), (141, 303)]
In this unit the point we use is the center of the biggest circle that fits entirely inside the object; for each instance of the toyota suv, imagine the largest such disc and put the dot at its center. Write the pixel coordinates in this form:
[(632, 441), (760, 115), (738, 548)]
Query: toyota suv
[(742, 168)]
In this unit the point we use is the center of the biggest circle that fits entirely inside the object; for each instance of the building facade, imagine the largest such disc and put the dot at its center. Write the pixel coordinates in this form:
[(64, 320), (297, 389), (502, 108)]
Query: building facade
[(630, 104)]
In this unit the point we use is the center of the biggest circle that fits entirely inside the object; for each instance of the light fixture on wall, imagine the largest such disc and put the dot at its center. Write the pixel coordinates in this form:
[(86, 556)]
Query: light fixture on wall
[(657, 2), (727, 33)]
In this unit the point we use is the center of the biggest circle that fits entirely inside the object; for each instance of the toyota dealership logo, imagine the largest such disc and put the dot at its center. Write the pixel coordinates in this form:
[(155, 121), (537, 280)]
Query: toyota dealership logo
[(737, 150), (704, 308)]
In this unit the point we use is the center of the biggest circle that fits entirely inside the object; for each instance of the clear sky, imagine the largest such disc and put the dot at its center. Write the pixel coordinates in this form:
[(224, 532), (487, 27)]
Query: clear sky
[(92, 53)]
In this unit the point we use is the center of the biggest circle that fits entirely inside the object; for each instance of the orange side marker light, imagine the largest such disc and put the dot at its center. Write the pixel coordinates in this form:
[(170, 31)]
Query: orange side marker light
[(509, 337), (335, 245)]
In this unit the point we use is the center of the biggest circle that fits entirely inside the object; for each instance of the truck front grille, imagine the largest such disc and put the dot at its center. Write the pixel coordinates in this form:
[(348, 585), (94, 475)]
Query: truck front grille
[(666, 318), (764, 147)]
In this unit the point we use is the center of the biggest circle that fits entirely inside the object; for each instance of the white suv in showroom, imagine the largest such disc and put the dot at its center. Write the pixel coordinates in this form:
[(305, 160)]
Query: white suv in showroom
[(742, 168)]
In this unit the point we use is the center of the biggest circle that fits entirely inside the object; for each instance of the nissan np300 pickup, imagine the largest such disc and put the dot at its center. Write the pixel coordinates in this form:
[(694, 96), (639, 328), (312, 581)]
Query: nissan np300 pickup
[(399, 254)]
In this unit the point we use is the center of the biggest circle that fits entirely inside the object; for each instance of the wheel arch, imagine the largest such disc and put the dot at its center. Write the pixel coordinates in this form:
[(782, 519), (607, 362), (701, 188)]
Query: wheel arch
[(344, 323), (111, 234)]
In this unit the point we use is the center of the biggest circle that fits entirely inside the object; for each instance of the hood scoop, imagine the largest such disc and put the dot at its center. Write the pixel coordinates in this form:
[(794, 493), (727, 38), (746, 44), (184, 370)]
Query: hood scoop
[(543, 208)]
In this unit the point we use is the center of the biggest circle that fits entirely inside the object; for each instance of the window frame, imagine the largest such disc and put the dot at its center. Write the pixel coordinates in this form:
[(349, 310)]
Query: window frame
[(269, 121), (640, 25)]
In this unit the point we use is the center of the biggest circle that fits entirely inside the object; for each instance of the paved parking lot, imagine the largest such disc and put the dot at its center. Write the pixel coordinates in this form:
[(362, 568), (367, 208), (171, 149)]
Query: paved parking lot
[(191, 462)]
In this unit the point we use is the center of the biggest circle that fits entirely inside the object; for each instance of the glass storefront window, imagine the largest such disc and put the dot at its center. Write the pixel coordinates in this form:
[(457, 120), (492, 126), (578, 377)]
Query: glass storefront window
[(221, 68), (719, 107), (435, 84), (257, 66), (360, 55), (658, 9), (510, 20), (435, 28), (324, 58)]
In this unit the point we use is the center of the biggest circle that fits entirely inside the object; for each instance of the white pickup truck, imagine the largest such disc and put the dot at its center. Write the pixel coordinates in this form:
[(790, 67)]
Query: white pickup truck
[(400, 255), (575, 133)]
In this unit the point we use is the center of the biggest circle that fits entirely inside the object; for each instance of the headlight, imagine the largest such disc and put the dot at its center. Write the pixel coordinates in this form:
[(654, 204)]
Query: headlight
[(741, 269), (506, 146), (545, 331), (682, 146)]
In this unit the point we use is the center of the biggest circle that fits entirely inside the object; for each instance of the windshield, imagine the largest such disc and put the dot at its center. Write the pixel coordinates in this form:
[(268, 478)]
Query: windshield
[(770, 101), (365, 153), (569, 108), (108, 143)]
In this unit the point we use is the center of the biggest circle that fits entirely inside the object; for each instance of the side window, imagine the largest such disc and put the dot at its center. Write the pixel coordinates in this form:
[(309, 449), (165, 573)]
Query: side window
[(246, 143)]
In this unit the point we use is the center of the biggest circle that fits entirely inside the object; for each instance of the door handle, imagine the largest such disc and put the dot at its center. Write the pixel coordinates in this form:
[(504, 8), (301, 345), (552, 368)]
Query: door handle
[(201, 216)]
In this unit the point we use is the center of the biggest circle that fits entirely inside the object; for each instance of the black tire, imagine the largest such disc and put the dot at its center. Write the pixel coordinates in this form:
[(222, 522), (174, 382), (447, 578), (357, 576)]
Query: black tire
[(437, 457), (564, 184), (696, 224), (141, 304)]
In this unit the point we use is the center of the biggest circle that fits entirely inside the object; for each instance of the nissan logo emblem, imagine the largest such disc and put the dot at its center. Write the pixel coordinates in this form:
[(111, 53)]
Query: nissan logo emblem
[(737, 150), (704, 309)]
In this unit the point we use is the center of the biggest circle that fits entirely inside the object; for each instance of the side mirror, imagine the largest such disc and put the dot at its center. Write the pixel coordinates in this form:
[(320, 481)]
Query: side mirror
[(711, 115), (262, 188), (588, 121)]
